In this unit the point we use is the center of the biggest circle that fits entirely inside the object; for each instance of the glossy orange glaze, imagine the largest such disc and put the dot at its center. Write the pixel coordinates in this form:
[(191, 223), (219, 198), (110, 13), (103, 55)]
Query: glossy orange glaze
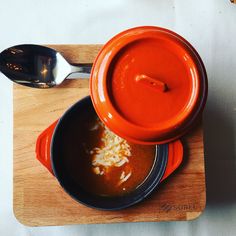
[(147, 106), (138, 111)]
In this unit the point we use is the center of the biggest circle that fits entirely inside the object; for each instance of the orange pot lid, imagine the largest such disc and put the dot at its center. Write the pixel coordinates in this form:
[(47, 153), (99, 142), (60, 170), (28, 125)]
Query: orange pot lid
[(148, 85)]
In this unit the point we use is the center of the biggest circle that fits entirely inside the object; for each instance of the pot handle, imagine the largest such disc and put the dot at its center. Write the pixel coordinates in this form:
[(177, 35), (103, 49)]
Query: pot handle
[(43, 145), (175, 157)]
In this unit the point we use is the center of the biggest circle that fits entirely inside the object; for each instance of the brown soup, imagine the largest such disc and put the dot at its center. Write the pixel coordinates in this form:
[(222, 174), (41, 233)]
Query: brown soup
[(103, 163)]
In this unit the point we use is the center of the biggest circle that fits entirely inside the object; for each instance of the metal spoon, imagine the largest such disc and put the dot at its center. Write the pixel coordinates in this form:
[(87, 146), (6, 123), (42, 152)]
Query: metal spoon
[(37, 66)]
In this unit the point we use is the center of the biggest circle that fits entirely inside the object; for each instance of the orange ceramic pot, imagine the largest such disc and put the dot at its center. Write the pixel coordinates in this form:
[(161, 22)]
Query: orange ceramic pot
[(148, 85)]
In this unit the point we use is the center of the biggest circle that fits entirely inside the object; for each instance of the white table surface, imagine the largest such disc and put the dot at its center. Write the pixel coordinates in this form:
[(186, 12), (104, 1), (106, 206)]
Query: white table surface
[(210, 25)]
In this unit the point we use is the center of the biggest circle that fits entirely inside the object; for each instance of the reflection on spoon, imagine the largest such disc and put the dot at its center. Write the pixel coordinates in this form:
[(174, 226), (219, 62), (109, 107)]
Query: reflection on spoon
[(38, 66)]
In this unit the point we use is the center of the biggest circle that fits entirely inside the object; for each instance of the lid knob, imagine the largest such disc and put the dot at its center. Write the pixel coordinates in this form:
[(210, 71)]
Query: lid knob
[(152, 83)]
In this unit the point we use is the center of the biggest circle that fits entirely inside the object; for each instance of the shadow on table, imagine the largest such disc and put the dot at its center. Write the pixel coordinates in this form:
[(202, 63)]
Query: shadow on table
[(220, 158)]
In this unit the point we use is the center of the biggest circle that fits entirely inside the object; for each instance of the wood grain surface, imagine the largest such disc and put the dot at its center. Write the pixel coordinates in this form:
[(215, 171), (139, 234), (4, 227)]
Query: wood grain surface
[(38, 198)]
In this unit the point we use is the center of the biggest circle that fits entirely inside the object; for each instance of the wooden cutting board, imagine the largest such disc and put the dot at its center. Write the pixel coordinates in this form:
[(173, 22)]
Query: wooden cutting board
[(38, 198)]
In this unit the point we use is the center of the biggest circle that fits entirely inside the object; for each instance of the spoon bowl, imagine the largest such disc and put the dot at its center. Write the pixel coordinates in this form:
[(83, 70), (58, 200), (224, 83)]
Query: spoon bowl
[(37, 66)]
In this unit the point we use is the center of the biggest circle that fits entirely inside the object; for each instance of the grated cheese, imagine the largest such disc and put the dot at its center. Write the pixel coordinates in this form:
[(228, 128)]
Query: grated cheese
[(124, 178), (114, 152)]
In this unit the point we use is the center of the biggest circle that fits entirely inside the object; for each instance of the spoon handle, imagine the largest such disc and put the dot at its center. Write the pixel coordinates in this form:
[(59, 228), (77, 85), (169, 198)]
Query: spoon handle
[(81, 71), (78, 75), (81, 68)]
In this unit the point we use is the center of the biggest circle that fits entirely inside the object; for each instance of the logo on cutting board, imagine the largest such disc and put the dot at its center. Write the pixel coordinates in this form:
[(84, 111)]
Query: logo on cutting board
[(166, 207)]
